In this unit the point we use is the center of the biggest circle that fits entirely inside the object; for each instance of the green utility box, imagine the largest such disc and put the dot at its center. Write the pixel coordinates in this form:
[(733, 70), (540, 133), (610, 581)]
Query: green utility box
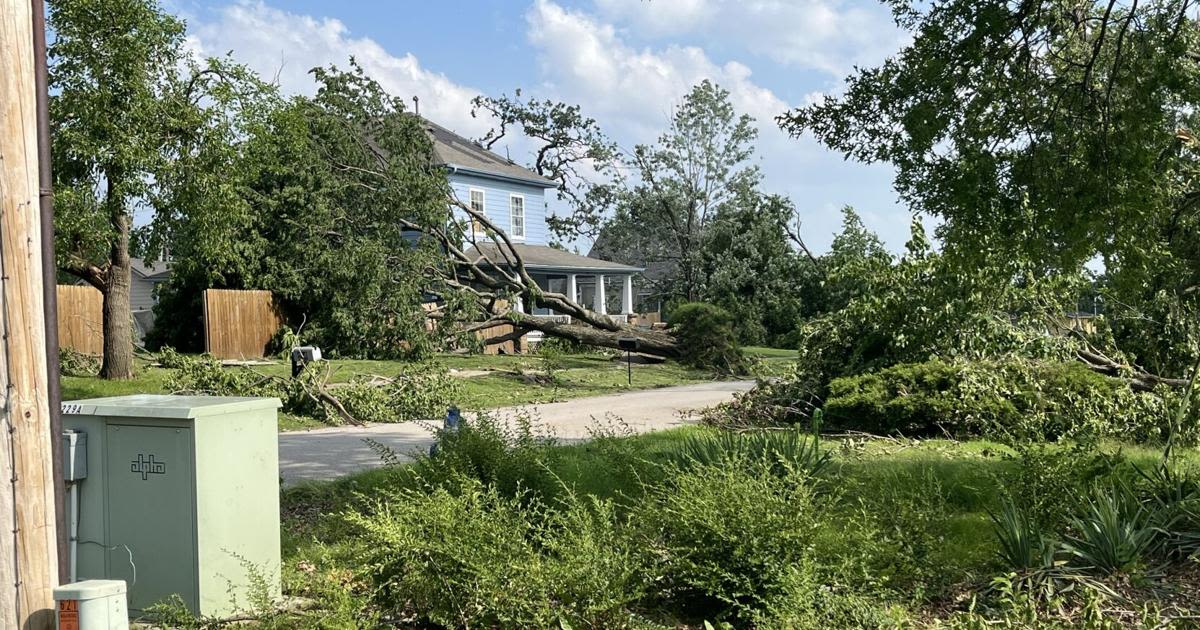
[(179, 496)]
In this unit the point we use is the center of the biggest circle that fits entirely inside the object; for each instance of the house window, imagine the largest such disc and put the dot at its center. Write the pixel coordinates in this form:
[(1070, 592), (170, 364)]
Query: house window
[(477, 206), (516, 215)]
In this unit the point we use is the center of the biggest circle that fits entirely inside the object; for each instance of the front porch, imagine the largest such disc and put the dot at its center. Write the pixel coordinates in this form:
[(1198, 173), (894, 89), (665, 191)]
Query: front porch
[(603, 286), (605, 293)]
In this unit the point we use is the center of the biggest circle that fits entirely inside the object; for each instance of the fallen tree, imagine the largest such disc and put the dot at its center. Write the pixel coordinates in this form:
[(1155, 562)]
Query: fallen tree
[(495, 281)]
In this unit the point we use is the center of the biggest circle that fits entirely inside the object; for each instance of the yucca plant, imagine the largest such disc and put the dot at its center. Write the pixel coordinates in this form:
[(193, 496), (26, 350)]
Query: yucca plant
[(1174, 495), (794, 450), (1116, 533), (1023, 548)]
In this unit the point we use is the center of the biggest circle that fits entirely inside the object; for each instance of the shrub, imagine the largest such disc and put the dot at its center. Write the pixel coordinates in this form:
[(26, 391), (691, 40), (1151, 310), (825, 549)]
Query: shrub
[(419, 391), (780, 402), (477, 558), (1115, 533), (1014, 397), (510, 457), (706, 336), (1023, 547), (727, 539)]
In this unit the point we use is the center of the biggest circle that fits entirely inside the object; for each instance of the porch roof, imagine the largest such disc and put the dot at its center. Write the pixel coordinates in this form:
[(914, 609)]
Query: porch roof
[(543, 258)]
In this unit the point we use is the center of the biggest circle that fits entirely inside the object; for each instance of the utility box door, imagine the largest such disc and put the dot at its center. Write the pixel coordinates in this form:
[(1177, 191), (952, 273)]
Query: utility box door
[(151, 509)]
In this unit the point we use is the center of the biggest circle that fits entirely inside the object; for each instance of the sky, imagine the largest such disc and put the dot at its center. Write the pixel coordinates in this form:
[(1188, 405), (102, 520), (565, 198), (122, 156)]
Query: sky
[(627, 63)]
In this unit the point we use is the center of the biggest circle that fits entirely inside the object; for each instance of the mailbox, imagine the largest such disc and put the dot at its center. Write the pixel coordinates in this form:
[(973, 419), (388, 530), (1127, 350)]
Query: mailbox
[(180, 497)]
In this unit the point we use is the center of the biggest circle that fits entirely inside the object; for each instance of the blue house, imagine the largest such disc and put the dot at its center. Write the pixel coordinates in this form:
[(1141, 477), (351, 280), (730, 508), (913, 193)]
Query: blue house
[(514, 199)]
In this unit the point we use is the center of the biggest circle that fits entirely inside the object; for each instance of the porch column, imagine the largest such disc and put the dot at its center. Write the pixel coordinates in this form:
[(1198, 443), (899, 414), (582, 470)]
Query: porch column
[(518, 304), (599, 304), (572, 288), (627, 296)]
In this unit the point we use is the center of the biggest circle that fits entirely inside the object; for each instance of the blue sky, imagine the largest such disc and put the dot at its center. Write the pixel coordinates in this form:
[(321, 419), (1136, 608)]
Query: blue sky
[(626, 62)]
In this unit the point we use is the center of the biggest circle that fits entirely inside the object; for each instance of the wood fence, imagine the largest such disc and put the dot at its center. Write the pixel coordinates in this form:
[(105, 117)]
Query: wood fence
[(508, 347), (239, 324), (81, 318)]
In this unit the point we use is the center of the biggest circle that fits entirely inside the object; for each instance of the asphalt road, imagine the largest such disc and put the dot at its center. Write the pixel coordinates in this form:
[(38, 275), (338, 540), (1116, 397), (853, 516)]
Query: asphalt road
[(333, 452)]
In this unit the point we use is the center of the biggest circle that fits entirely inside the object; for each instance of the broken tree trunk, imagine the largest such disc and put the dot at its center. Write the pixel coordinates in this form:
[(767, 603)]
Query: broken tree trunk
[(655, 342)]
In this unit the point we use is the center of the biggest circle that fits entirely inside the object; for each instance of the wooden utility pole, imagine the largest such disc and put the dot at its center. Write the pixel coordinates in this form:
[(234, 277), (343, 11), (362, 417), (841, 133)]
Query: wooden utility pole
[(28, 535)]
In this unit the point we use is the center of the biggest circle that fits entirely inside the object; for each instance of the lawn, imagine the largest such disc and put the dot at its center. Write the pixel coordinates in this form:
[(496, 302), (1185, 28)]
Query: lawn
[(489, 381), (898, 530)]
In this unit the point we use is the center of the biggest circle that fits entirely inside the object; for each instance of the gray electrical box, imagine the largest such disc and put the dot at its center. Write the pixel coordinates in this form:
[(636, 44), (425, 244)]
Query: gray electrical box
[(182, 497)]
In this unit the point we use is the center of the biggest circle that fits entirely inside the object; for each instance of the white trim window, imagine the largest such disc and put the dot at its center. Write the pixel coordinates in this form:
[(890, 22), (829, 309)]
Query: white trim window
[(516, 216), (477, 201)]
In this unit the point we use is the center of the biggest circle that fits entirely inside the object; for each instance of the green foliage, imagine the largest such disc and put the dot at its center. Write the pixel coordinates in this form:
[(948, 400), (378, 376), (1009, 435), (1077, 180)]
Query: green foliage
[(784, 401), (477, 557), (982, 127), (706, 336), (75, 363), (138, 123), (1001, 397), (337, 234), (423, 390), (508, 455), (751, 269), (790, 450), (728, 540), (1024, 547), (1115, 532)]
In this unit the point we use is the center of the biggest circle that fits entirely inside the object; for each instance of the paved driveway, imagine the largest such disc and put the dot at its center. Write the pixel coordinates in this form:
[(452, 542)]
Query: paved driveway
[(336, 451)]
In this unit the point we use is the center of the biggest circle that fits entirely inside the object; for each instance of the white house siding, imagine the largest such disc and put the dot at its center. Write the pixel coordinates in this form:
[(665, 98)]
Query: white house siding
[(496, 193)]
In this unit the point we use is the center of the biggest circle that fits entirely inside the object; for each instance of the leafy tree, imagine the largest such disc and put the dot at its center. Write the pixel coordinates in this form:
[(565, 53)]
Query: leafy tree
[(133, 117), (1044, 134), (570, 149), (699, 165), (338, 181), (751, 269)]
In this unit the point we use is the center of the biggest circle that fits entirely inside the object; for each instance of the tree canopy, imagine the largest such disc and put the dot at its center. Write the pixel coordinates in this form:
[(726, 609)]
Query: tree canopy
[(1044, 134)]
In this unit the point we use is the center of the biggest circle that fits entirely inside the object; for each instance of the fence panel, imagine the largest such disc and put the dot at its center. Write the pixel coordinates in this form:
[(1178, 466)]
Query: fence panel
[(81, 318), (239, 324), (508, 347)]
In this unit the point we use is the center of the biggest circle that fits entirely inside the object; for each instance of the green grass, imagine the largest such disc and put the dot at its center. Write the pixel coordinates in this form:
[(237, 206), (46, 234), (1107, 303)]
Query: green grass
[(506, 384), (934, 495)]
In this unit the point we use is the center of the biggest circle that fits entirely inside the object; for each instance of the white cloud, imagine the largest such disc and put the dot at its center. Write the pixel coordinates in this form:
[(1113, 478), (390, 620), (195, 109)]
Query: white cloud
[(631, 90), (826, 35), (285, 46), (586, 61)]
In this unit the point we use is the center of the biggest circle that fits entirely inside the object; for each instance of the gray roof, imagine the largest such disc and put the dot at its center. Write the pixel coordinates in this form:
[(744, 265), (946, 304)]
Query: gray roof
[(455, 151), (543, 258), (156, 269)]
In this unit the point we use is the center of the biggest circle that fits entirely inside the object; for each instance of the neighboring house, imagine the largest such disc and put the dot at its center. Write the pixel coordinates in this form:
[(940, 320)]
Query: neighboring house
[(144, 279), (514, 199)]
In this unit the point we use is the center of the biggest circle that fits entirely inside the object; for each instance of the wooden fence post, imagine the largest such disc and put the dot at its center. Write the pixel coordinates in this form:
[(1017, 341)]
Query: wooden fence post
[(28, 534)]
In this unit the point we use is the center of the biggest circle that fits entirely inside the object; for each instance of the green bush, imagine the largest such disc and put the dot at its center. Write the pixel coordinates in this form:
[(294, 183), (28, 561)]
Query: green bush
[(477, 558), (707, 338), (727, 540), (783, 451), (1014, 397), (510, 457)]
